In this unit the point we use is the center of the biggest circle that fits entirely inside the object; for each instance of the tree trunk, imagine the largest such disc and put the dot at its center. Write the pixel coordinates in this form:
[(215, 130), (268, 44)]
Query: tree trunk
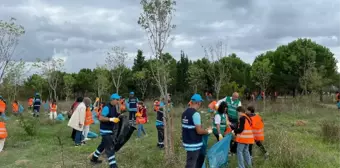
[(55, 94), (321, 95)]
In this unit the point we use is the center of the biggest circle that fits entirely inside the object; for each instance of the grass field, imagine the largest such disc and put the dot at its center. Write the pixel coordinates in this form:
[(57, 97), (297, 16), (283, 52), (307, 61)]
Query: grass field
[(297, 135)]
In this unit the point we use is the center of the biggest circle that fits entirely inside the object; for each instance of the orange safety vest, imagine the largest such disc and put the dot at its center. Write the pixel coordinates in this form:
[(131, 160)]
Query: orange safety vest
[(15, 107), (212, 105), (2, 106), (3, 130), (53, 108), (156, 105), (30, 102), (88, 117), (258, 127), (139, 118), (246, 136), (122, 105)]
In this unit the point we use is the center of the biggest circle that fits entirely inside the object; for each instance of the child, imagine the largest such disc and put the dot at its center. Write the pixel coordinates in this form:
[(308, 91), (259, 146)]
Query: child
[(192, 133), (141, 118), (53, 110), (156, 105), (258, 130), (15, 107), (160, 123), (87, 123), (3, 134), (244, 137), (212, 108)]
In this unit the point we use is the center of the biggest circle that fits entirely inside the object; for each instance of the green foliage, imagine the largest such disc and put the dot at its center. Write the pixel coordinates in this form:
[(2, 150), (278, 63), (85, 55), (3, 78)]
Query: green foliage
[(29, 124), (330, 131), (261, 72)]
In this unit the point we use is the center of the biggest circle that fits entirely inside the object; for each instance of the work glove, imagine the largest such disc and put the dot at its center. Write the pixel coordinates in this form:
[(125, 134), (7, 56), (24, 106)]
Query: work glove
[(114, 120), (220, 137), (209, 130)]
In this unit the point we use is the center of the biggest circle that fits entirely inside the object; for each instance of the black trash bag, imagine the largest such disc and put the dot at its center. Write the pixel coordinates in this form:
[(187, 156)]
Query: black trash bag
[(124, 132)]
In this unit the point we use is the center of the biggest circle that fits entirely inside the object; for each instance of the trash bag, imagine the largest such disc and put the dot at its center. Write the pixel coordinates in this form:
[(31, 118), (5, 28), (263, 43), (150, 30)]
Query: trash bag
[(21, 108), (92, 135), (95, 118), (218, 153), (60, 117), (122, 132)]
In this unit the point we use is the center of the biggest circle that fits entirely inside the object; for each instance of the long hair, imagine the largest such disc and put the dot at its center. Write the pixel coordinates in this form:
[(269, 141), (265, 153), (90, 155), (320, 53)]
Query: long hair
[(222, 107)]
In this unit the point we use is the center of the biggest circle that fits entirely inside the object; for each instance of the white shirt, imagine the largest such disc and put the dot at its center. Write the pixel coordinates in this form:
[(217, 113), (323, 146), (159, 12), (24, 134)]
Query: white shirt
[(223, 100), (217, 119)]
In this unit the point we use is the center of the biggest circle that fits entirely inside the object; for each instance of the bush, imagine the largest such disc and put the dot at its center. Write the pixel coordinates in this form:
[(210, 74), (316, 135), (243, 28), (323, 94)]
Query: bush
[(330, 131), (29, 124)]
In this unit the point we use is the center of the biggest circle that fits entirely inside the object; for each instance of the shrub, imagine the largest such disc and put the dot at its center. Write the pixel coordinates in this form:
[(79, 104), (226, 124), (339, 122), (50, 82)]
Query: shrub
[(330, 131), (29, 124)]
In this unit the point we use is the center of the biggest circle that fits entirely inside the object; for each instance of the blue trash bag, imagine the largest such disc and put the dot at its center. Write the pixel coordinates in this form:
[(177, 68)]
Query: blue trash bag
[(338, 104), (218, 153), (92, 135), (21, 108), (95, 119), (3, 115), (60, 117), (46, 106)]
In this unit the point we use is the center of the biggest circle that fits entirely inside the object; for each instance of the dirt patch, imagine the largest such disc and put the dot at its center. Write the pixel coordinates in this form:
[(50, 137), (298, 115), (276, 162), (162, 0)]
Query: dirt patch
[(300, 123), (21, 162)]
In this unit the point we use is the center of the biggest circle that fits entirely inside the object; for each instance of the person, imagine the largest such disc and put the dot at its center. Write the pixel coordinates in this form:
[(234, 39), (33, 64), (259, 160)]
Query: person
[(88, 122), (337, 98), (73, 107), (156, 105), (36, 105), (15, 108), (132, 107), (192, 133), (244, 137), (53, 110), (141, 118), (3, 105), (220, 121), (30, 103), (108, 120), (3, 135), (122, 106), (232, 102), (212, 108), (160, 124), (258, 130), (77, 120)]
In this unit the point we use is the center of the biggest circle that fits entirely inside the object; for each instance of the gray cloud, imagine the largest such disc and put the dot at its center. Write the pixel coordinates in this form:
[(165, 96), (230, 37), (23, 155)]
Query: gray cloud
[(86, 28)]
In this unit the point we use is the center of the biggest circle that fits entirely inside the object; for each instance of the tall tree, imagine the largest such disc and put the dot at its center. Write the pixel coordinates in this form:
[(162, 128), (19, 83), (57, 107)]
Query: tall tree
[(156, 20), (138, 62), (196, 75), (10, 33), (115, 62), (69, 85), (142, 81), (102, 81), (182, 73)]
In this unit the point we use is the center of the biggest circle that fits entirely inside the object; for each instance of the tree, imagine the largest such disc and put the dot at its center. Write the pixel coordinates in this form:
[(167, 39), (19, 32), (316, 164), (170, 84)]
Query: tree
[(156, 20), (182, 73), (261, 72), (138, 62), (37, 83), (142, 81), (69, 85), (219, 69), (10, 33), (50, 68), (115, 62), (195, 77), (102, 81)]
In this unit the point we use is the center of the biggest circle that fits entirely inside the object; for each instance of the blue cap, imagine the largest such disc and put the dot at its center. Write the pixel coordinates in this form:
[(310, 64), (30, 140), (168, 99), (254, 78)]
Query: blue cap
[(132, 93), (114, 96), (196, 98)]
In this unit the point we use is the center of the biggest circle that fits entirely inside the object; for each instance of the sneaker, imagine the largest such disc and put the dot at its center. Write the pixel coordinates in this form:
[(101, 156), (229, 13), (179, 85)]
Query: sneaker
[(78, 145), (83, 142), (87, 139), (266, 155), (96, 161)]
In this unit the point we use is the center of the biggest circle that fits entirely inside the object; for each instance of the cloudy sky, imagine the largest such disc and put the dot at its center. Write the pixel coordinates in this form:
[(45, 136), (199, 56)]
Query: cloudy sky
[(82, 30)]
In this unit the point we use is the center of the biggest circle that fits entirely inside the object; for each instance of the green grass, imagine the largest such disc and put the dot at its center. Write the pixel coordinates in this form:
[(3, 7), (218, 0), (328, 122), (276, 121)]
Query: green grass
[(289, 145)]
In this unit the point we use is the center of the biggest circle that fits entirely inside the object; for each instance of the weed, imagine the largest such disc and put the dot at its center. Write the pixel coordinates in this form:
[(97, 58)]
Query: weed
[(330, 131), (29, 124)]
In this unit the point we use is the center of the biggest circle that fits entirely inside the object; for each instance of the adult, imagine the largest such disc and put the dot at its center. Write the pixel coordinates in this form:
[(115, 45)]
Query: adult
[(220, 121), (232, 103), (77, 120), (36, 105), (108, 120), (73, 107), (192, 133), (132, 107), (3, 105)]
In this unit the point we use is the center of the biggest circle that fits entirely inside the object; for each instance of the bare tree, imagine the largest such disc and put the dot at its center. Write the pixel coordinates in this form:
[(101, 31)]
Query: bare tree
[(115, 62), (50, 69), (102, 81), (156, 20), (219, 70), (13, 78), (10, 33)]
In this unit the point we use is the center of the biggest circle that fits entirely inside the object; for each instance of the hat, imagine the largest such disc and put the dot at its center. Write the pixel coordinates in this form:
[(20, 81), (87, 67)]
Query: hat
[(132, 93), (114, 96), (196, 98)]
